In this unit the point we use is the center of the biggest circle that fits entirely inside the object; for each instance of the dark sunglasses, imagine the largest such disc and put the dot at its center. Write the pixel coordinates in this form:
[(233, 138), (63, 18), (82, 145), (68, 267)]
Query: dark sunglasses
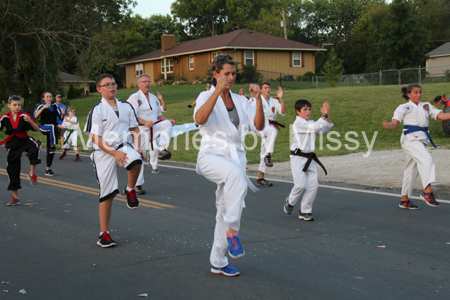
[(14, 97), (222, 59)]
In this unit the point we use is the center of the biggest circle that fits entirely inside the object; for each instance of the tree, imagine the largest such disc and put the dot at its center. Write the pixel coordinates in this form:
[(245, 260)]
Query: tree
[(333, 68), (402, 41), (37, 37)]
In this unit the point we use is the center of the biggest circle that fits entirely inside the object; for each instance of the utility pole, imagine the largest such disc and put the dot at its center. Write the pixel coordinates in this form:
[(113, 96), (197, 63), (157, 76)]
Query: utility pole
[(283, 24)]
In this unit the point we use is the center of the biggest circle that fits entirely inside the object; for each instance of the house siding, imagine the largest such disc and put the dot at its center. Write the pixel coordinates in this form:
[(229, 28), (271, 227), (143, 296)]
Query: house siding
[(438, 65)]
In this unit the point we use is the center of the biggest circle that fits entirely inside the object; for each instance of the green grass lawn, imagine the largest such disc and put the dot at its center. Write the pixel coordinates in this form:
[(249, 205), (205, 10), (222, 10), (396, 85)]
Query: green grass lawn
[(354, 111)]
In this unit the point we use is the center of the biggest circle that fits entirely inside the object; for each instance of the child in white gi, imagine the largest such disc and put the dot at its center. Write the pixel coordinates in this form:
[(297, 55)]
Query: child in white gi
[(303, 158), (111, 125), (414, 115), (268, 135), (71, 133), (224, 118)]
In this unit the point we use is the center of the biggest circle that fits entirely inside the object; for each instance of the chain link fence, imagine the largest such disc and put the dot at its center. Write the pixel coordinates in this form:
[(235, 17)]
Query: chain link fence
[(383, 77)]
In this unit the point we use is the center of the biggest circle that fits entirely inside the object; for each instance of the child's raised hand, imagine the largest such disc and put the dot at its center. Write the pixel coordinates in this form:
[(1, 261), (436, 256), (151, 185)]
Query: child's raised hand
[(26, 118), (280, 92)]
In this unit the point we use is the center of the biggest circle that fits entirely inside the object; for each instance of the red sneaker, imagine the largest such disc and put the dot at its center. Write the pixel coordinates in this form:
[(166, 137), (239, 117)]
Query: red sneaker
[(429, 199), (408, 205), (32, 179), (14, 201)]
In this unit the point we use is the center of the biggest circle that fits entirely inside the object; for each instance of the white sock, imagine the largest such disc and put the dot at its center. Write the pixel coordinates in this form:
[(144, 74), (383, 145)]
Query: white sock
[(128, 189)]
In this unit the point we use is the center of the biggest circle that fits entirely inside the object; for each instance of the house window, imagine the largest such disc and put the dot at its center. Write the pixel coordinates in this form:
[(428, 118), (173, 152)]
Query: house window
[(296, 59), (191, 62), (249, 58), (139, 69), (169, 67), (215, 54)]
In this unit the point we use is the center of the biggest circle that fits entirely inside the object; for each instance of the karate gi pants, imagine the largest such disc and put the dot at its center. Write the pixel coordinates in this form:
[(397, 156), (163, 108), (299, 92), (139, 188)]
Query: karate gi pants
[(13, 161), (230, 194), (306, 183), (162, 132), (105, 166), (268, 137), (418, 161)]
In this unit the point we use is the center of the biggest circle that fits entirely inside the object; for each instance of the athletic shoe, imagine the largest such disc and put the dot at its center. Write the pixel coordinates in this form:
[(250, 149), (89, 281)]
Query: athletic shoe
[(164, 154), (228, 270), (268, 161), (287, 207), (408, 205), (429, 199), (49, 173), (62, 155), (132, 200), (306, 217), (52, 150), (105, 240), (14, 201), (32, 179), (77, 158), (263, 182), (234, 246), (155, 171), (139, 190), (189, 106)]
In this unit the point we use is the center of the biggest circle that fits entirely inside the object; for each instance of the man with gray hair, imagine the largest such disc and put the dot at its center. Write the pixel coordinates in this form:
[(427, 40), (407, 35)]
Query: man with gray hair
[(155, 128)]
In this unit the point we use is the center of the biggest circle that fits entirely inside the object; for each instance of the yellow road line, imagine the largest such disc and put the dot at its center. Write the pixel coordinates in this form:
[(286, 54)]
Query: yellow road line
[(89, 190)]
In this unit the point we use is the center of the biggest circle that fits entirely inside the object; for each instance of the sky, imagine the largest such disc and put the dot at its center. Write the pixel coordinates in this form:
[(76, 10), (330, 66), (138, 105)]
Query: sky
[(146, 8)]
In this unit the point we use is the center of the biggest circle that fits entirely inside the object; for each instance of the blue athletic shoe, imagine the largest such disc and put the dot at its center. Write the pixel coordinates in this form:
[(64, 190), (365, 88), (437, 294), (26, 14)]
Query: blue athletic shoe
[(234, 246), (228, 270)]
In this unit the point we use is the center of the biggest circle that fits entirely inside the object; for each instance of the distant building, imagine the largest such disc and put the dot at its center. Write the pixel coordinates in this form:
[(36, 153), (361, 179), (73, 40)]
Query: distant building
[(191, 59), (439, 60), (77, 82)]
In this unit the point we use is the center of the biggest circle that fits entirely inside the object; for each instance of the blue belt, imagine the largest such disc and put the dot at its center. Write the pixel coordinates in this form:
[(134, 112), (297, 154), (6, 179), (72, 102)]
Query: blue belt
[(412, 128)]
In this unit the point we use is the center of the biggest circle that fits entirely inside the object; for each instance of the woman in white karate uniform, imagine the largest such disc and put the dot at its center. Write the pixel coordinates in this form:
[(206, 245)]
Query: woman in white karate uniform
[(224, 118)]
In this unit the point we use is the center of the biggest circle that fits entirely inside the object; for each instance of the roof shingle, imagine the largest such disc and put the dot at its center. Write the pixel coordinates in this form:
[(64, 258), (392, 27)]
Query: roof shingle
[(242, 38)]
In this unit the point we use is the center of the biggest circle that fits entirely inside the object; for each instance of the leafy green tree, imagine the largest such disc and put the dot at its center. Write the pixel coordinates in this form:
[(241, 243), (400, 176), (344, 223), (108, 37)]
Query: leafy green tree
[(333, 68), (403, 43), (37, 37)]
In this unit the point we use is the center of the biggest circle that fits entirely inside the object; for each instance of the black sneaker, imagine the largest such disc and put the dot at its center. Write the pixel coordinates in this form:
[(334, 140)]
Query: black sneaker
[(268, 161), (305, 217), (132, 200), (287, 207), (263, 182), (189, 106), (62, 156), (52, 150), (49, 173), (408, 205), (105, 240), (164, 154), (139, 190), (429, 199)]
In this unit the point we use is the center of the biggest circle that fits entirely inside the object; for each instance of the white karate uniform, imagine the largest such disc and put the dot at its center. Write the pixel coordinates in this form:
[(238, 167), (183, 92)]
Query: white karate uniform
[(418, 159), (306, 183), (73, 137), (115, 131), (269, 133), (149, 110), (222, 160)]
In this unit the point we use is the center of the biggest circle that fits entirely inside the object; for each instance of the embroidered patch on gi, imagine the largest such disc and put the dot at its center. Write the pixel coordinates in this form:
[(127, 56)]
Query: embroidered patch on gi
[(104, 120), (408, 108), (139, 102), (426, 107), (273, 108)]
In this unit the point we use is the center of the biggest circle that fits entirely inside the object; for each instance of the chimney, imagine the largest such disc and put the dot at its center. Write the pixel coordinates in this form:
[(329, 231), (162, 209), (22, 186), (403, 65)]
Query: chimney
[(167, 41)]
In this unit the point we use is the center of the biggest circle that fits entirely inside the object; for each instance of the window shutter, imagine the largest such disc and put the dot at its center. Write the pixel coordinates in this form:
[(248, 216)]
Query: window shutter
[(254, 56), (242, 58), (303, 59), (290, 59)]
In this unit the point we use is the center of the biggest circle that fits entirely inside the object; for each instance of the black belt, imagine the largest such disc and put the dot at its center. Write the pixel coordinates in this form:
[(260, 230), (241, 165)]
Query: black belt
[(310, 156)]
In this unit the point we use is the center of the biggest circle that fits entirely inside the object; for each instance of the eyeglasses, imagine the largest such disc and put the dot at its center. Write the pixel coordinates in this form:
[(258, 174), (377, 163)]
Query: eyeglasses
[(14, 97), (221, 59), (109, 85)]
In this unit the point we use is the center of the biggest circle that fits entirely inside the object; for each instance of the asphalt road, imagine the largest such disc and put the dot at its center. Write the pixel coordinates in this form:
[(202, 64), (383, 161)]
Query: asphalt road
[(48, 243)]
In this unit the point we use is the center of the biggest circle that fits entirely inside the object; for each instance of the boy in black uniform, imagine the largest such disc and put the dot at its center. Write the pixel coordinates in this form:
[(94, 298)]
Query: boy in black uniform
[(49, 111), (16, 124)]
